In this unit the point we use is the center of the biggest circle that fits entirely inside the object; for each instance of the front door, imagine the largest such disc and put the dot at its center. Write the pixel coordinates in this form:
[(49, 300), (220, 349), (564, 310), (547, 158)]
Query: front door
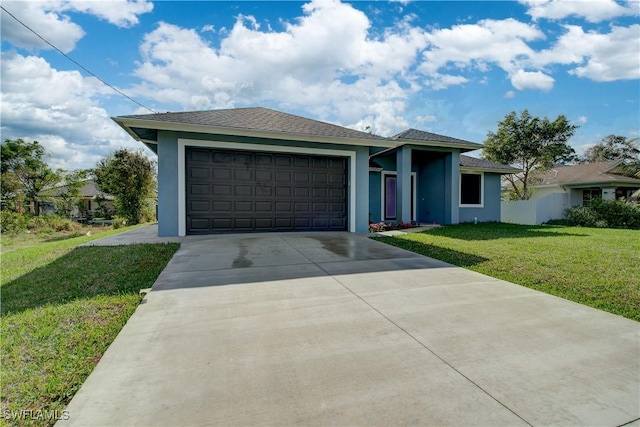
[(390, 199)]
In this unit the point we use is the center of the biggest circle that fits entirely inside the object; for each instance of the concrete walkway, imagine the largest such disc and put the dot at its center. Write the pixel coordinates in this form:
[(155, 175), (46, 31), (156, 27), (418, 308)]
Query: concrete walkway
[(338, 329)]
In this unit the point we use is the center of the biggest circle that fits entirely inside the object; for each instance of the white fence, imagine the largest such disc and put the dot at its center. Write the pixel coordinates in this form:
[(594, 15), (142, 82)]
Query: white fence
[(532, 212)]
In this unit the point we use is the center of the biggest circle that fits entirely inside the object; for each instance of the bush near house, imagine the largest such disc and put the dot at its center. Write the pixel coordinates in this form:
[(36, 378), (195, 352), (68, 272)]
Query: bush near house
[(13, 223), (605, 214)]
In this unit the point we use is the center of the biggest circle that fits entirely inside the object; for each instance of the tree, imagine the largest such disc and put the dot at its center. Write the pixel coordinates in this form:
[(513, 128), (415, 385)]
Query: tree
[(530, 144), (612, 147), (68, 198), (130, 177), (25, 172)]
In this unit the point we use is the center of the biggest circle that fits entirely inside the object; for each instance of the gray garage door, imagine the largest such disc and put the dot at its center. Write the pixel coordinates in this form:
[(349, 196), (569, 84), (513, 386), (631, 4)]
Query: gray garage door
[(243, 191)]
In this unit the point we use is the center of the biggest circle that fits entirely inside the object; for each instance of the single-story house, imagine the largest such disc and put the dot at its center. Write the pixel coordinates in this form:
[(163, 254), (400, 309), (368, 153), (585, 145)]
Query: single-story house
[(257, 169), (583, 182), (91, 201), (564, 187)]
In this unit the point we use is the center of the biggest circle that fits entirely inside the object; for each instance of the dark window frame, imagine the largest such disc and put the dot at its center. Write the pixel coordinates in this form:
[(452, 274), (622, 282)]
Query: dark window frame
[(472, 197)]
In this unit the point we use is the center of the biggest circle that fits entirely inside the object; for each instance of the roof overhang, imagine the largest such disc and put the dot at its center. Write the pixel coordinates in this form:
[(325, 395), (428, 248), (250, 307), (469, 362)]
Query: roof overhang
[(617, 183), (133, 125), (489, 170), (462, 146)]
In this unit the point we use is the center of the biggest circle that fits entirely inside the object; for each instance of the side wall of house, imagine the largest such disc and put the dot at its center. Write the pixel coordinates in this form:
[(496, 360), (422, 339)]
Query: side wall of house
[(171, 195), (490, 212)]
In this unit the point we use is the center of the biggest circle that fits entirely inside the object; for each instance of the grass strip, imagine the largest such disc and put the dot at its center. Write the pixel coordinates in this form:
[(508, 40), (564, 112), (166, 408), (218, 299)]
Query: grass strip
[(58, 317), (592, 266)]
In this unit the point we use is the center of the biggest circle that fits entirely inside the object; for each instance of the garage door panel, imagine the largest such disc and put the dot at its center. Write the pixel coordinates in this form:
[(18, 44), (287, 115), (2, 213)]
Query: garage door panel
[(283, 191), (199, 173), (252, 191), (199, 189), (222, 173), (243, 175), (200, 206), (284, 223), (264, 207)]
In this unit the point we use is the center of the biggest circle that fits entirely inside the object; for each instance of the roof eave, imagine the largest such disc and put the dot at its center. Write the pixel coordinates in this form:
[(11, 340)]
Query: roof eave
[(591, 183), (467, 146), (127, 123), (490, 170)]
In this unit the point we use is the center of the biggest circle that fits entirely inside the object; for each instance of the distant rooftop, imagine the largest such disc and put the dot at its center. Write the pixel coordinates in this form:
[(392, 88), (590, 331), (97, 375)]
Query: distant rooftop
[(599, 172)]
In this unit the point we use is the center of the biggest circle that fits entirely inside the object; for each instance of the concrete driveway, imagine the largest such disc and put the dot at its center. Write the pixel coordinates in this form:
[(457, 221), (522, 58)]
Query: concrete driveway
[(338, 329)]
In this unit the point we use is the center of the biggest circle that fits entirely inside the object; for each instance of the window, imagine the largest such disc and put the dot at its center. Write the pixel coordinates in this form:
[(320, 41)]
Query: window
[(471, 189), (592, 193)]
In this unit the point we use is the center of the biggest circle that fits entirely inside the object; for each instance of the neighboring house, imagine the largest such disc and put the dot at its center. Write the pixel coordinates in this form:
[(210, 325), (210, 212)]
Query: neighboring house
[(257, 169), (87, 200), (581, 183), (564, 187)]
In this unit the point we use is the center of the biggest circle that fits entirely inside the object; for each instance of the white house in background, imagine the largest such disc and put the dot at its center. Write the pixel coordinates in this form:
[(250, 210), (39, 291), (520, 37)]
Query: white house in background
[(564, 187)]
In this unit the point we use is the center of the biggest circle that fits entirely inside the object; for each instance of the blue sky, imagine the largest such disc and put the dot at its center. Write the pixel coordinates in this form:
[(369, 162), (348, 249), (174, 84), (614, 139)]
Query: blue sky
[(449, 67)]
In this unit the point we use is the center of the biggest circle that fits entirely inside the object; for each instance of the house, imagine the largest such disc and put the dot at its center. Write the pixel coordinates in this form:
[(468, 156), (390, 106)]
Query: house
[(90, 201), (563, 187), (581, 183), (257, 169)]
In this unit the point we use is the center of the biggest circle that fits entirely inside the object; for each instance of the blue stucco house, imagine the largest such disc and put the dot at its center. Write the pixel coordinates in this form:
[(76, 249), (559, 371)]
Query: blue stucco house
[(261, 170)]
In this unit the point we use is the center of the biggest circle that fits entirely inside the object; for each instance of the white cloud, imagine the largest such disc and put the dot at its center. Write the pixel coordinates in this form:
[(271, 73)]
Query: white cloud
[(50, 19), (522, 80), (58, 109), (325, 62), (591, 10), (582, 119), (478, 45), (509, 94), (600, 56), (426, 119), (56, 28), (442, 81), (123, 13)]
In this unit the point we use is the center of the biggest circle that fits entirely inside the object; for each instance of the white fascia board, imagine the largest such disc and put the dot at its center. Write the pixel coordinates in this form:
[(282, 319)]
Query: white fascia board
[(471, 145), (489, 170), (215, 130)]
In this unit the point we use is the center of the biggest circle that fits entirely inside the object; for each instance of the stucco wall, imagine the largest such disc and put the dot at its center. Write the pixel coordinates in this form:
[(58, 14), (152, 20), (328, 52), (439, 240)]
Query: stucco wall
[(169, 203), (375, 196), (491, 210)]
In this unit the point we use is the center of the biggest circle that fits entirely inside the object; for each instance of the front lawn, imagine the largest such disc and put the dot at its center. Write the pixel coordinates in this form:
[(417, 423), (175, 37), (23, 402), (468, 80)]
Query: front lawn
[(62, 306), (591, 266)]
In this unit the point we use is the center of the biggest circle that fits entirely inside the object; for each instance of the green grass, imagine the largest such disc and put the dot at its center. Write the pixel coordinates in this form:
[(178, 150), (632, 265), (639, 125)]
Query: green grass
[(62, 306), (595, 267)]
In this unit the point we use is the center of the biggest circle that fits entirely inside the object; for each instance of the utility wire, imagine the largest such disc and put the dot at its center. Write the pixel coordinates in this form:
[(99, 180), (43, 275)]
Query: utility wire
[(76, 62)]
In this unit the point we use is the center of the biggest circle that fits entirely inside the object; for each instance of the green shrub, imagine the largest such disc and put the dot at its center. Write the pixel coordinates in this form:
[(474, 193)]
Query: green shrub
[(605, 214), (119, 222), (12, 222), (582, 216)]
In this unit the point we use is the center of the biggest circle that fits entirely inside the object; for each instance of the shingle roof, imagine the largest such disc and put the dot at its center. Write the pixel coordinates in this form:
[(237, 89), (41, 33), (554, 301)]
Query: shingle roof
[(260, 119), (472, 162), (423, 136), (89, 189), (586, 173)]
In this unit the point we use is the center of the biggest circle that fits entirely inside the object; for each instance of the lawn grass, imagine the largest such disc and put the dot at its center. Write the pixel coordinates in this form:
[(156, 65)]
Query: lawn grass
[(592, 266), (62, 306)]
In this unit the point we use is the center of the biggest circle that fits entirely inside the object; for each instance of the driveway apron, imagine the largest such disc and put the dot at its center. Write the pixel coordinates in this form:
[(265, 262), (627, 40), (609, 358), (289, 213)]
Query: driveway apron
[(339, 329)]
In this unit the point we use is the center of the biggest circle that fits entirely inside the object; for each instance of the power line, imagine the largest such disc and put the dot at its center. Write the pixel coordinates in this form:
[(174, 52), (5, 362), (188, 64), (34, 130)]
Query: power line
[(76, 62)]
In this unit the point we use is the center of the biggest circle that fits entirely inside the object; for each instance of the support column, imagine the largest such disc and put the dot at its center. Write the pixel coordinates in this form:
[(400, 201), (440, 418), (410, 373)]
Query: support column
[(403, 161), (452, 188)]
